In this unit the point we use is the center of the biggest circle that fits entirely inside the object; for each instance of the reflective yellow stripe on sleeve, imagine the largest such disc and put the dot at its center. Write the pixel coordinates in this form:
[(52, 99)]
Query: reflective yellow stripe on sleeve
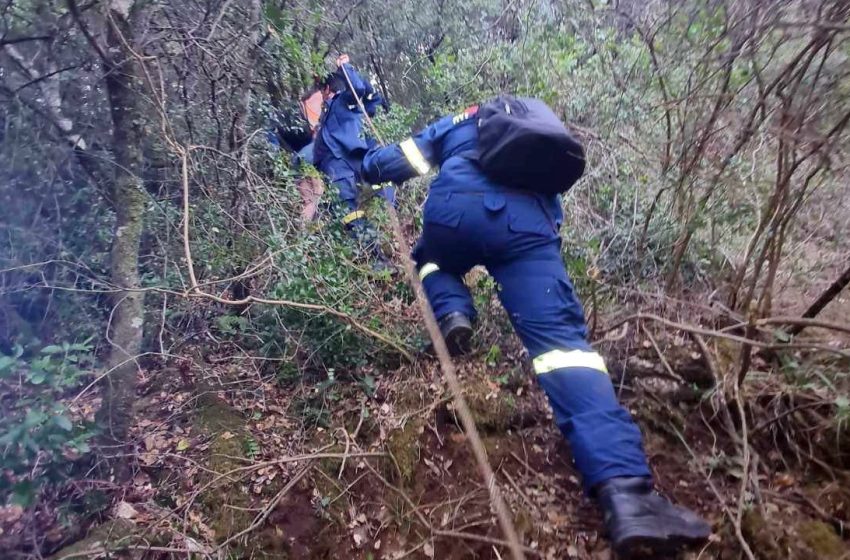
[(414, 156), (427, 269), (558, 359), (357, 214)]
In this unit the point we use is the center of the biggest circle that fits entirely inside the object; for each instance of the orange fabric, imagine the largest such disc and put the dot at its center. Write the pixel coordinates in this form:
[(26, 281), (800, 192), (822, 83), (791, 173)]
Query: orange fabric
[(311, 106)]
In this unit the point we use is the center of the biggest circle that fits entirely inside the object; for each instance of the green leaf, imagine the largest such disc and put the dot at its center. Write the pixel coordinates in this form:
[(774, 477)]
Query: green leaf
[(6, 363), (781, 336), (37, 378), (33, 418), (52, 349), (63, 422), (23, 494)]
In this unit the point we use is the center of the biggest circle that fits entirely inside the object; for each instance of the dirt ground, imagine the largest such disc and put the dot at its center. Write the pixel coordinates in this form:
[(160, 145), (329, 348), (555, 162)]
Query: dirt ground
[(257, 470)]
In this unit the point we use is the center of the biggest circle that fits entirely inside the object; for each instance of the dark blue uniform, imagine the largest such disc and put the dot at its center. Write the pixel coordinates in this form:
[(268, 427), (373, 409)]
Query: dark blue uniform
[(340, 143), (470, 220)]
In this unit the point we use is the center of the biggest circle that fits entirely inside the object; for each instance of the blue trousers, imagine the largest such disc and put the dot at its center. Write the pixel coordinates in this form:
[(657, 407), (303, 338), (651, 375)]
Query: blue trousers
[(513, 236), (344, 179)]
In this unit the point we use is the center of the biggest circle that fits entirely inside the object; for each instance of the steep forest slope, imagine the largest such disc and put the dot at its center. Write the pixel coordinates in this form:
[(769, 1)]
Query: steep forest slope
[(189, 370)]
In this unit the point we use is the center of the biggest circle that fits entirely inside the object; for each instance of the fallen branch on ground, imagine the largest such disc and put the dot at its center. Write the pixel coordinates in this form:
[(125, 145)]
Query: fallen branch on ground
[(263, 515), (745, 546), (713, 333), (281, 461)]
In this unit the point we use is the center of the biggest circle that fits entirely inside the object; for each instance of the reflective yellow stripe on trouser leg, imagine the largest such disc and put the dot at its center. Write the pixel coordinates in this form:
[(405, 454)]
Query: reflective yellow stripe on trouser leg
[(414, 156), (350, 217), (427, 269), (559, 359)]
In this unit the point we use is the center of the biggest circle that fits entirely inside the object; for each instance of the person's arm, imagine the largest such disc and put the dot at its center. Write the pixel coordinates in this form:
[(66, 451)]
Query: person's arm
[(409, 158), (364, 90), (373, 100), (361, 87)]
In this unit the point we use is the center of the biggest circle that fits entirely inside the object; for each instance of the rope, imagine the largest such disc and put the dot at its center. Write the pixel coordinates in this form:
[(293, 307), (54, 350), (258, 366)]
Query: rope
[(447, 366)]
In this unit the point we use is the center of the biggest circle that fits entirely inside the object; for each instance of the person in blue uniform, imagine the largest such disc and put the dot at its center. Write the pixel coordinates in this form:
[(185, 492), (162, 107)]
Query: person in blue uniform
[(470, 220), (340, 145)]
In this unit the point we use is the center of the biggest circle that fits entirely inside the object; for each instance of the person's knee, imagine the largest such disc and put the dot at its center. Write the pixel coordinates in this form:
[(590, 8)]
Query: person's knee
[(579, 390)]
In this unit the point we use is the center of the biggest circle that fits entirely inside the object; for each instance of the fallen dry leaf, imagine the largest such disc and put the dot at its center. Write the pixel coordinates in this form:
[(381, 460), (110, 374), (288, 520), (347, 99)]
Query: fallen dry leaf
[(10, 514), (123, 510)]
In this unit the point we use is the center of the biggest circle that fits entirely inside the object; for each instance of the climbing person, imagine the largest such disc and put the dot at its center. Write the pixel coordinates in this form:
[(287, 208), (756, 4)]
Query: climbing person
[(340, 145), (495, 202), (291, 129)]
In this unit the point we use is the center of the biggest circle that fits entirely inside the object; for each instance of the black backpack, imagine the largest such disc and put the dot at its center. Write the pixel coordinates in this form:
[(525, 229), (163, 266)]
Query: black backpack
[(523, 144)]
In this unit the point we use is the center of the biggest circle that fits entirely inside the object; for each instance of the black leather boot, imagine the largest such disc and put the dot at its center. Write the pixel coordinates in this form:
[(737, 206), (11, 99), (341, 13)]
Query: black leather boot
[(641, 523), (457, 330)]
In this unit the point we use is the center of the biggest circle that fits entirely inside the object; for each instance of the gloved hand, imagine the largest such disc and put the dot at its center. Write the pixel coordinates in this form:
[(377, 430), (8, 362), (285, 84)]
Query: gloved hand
[(367, 192)]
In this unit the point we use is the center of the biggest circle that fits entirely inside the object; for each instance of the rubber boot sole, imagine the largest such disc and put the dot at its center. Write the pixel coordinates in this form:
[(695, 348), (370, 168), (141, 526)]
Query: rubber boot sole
[(639, 543)]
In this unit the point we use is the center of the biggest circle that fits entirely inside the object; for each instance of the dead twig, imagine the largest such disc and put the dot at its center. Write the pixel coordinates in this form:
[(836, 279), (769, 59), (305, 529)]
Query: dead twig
[(664, 361), (720, 387), (264, 514), (519, 491), (713, 333), (280, 461), (103, 550), (736, 524), (481, 538)]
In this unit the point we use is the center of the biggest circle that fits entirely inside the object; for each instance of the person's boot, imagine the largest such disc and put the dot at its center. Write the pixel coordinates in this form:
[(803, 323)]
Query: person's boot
[(642, 523), (457, 331)]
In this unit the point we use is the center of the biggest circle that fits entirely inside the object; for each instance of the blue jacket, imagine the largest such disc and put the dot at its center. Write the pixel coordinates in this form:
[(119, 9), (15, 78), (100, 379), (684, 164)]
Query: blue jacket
[(340, 135), (449, 143)]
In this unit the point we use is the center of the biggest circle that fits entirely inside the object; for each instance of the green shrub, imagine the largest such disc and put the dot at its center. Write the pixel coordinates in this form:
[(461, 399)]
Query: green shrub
[(40, 438)]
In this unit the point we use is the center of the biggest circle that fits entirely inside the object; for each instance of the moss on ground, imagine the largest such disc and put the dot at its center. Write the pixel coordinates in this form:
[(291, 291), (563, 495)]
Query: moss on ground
[(782, 539), (225, 501), (494, 410), (821, 540), (109, 536), (403, 445)]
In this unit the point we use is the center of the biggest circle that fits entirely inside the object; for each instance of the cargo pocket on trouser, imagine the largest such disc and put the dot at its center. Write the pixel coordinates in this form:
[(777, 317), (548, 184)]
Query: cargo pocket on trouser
[(439, 210), (539, 299), (522, 223), (526, 215)]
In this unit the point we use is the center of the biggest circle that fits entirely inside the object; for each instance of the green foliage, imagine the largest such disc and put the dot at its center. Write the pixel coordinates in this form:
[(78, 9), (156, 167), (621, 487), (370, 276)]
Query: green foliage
[(40, 435), (328, 268), (494, 355), (251, 447)]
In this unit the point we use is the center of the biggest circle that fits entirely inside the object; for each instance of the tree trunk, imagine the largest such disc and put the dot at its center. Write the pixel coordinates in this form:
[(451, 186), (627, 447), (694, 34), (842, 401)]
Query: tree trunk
[(241, 244), (823, 300), (123, 86)]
